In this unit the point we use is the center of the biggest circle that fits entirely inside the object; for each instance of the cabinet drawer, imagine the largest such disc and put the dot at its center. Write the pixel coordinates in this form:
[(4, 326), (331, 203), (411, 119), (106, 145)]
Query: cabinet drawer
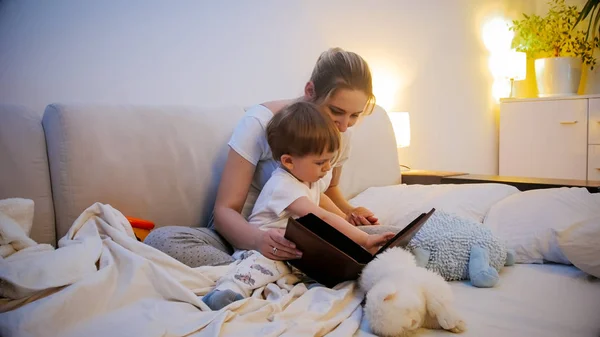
[(594, 121), (594, 162), (544, 139)]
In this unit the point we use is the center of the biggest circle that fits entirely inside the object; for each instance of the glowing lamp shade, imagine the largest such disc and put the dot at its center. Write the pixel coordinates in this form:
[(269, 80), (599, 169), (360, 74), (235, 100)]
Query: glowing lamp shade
[(401, 125), (516, 66), (509, 65)]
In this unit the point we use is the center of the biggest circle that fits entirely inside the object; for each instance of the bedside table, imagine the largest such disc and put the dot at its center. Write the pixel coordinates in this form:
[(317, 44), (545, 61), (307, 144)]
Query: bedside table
[(425, 177)]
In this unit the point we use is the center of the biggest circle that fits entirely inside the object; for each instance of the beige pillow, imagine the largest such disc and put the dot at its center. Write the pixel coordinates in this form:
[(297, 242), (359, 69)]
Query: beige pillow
[(580, 243)]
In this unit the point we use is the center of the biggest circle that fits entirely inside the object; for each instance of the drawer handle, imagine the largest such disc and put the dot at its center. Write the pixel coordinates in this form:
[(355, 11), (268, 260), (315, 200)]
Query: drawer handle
[(568, 122)]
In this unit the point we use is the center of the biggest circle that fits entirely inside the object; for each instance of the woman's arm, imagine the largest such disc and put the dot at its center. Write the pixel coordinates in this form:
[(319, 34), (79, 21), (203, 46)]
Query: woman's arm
[(229, 222), (326, 203), (335, 194), (231, 195), (356, 215)]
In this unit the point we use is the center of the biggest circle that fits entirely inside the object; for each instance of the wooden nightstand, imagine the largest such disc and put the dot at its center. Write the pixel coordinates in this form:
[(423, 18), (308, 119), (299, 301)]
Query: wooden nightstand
[(521, 183), (425, 177)]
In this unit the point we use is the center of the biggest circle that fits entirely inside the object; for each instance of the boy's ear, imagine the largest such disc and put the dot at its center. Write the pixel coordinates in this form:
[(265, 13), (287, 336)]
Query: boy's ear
[(287, 161)]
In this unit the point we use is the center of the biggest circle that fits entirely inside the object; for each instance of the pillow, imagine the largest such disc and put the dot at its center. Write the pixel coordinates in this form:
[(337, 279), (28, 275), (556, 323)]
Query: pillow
[(529, 221), (579, 243), (397, 205)]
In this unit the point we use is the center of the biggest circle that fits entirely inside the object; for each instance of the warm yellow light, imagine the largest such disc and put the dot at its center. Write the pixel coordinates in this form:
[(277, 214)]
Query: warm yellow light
[(516, 63), (401, 125), (496, 35), (386, 84), (500, 89), (508, 64)]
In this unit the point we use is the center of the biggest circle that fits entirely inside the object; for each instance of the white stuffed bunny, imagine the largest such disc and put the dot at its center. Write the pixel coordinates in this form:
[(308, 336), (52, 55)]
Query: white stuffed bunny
[(402, 297)]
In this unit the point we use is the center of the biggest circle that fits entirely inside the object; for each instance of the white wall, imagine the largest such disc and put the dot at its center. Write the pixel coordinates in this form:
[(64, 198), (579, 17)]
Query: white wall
[(244, 52)]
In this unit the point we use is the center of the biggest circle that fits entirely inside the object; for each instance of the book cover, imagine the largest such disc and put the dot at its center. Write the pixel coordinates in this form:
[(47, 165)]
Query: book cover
[(329, 257)]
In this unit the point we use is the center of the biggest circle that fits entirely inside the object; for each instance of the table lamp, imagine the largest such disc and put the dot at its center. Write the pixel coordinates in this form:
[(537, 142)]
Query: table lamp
[(515, 69), (401, 124)]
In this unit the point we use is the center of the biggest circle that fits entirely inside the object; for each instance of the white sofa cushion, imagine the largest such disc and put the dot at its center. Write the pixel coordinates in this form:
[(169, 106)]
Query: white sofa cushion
[(158, 163), (373, 157), (24, 167)]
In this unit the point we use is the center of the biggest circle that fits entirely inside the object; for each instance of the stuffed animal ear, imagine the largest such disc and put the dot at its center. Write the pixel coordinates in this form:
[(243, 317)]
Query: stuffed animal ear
[(384, 291)]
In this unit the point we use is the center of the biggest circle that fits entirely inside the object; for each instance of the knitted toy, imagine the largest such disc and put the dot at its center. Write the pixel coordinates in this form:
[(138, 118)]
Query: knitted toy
[(460, 249)]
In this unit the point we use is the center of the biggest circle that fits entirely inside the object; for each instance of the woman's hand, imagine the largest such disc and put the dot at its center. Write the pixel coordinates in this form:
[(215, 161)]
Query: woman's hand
[(375, 241), (273, 245), (361, 216)]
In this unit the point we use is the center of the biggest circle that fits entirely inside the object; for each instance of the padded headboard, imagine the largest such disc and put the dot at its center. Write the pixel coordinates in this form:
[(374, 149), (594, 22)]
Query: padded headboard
[(373, 158), (161, 163)]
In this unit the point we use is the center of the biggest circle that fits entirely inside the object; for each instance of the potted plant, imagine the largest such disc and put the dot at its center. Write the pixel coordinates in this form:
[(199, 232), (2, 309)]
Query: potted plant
[(559, 50), (591, 7)]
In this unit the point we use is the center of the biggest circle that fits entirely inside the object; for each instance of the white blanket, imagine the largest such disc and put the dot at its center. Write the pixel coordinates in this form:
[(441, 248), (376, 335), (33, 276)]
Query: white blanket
[(101, 281)]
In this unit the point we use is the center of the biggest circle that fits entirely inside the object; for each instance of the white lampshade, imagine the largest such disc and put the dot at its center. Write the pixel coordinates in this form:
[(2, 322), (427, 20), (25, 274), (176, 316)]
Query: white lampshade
[(401, 125), (509, 65), (516, 66)]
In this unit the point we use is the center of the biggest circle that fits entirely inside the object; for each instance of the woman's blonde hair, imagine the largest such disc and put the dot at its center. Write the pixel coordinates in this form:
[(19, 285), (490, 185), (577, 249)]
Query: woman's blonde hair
[(336, 69), (300, 129)]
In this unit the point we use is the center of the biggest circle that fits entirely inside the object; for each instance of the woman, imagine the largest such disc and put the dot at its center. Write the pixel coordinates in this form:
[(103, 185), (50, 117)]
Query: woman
[(341, 86)]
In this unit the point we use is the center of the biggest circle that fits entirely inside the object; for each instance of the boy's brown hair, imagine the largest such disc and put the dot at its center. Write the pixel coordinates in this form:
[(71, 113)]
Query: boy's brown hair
[(300, 129)]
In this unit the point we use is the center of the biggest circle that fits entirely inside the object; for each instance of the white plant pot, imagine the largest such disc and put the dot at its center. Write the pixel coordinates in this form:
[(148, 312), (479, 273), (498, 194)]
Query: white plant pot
[(558, 76)]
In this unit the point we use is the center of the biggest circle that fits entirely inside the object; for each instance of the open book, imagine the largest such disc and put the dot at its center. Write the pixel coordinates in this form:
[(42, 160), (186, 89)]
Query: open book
[(329, 257)]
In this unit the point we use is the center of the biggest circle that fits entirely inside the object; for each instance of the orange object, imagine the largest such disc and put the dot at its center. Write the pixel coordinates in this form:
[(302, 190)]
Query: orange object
[(140, 223), (141, 233), (141, 227)]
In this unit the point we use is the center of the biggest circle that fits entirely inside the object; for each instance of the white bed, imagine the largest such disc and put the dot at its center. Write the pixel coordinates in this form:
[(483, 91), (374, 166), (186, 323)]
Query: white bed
[(532, 300)]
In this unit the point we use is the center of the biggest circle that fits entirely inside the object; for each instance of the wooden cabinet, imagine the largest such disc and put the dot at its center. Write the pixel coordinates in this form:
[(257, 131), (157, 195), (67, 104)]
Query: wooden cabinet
[(594, 162), (550, 138)]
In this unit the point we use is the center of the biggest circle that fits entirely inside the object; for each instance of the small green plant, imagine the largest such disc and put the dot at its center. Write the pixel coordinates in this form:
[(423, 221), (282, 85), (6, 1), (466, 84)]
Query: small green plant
[(553, 35)]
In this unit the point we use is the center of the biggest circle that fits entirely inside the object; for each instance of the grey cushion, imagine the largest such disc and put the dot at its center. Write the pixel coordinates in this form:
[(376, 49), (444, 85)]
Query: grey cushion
[(24, 167), (157, 163)]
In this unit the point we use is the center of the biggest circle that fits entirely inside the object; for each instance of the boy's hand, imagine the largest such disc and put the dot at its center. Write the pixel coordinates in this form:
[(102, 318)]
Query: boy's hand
[(374, 241)]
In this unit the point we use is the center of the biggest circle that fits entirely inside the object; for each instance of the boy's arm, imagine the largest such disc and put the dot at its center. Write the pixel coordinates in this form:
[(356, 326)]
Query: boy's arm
[(302, 206)]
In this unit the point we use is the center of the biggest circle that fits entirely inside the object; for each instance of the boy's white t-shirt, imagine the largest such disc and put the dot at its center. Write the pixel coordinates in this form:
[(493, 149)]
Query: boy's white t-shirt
[(279, 192), (249, 140)]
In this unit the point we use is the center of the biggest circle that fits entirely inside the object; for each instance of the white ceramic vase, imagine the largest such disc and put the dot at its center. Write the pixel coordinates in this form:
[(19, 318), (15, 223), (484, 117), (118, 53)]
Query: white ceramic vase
[(558, 76)]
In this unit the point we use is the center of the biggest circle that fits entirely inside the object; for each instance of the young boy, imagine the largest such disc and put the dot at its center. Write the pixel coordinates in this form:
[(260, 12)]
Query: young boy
[(305, 142)]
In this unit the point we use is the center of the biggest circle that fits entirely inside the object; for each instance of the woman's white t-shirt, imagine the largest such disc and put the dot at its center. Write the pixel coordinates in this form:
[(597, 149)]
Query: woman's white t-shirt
[(249, 140)]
